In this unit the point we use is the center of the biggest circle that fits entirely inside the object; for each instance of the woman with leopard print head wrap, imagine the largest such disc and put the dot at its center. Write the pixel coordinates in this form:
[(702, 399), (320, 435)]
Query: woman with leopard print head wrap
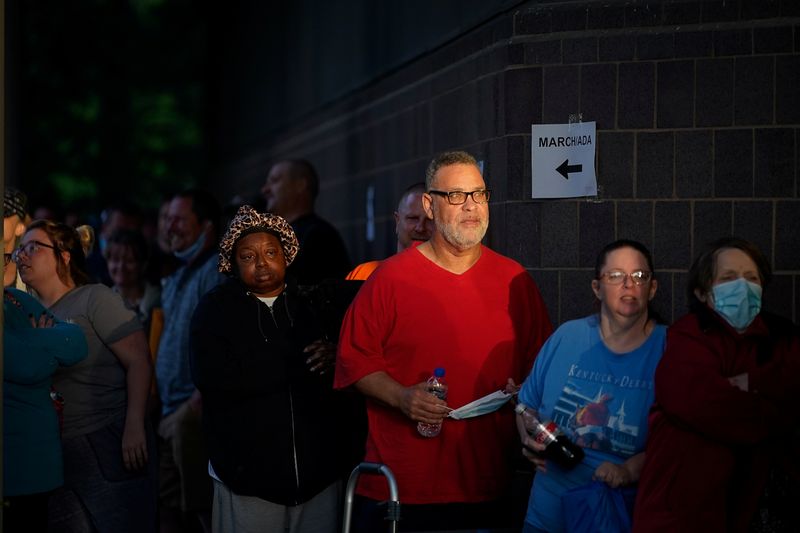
[(271, 419)]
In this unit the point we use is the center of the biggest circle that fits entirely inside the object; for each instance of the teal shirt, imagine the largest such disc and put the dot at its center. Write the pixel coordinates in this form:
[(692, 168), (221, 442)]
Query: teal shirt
[(32, 448)]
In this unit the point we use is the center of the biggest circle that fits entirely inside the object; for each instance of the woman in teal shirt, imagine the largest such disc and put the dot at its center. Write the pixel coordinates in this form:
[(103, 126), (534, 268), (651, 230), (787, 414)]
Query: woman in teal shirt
[(34, 346)]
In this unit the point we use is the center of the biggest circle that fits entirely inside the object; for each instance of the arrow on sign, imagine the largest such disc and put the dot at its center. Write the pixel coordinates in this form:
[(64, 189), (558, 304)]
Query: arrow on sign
[(565, 169)]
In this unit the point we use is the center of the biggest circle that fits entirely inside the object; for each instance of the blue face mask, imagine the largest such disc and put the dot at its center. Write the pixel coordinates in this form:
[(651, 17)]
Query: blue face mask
[(189, 253), (738, 301)]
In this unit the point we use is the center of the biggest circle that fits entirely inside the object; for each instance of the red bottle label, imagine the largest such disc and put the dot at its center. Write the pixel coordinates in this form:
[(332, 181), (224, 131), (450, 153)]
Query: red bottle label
[(546, 433)]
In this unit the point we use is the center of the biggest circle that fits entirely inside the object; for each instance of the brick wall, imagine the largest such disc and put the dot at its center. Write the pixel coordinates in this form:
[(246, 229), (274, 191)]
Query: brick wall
[(697, 106)]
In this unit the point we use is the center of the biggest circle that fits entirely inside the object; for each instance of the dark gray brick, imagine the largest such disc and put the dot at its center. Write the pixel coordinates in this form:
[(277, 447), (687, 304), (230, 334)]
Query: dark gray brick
[(663, 303), (754, 90), (733, 163), (523, 99), (682, 13), (561, 93), (568, 18), (719, 11), (787, 235), (796, 38), (559, 234), (577, 298), (496, 237), (779, 295), (598, 94), (693, 164), (790, 8), (643, 14), (711, 220), (760, 9), (487, 112), (445, 121), (635, 221), (524, 239), (655, 46), (654, 165), (787, 89), (714, 92), (515, 55), (675, 94), (606, 16), (596, 229), (495, 169), (547, 281), (532, 22), (636, 95), (753, 221), (671, 247), (693, 44), (774, 162), (518, 168), (583, 50), (615, 164), (733, 43), (680, 284), (543, 52), (617, 48), (773, 40)]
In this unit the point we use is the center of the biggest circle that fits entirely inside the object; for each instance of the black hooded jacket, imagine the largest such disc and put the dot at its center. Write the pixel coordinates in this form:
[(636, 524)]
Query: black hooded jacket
[(274, 429)]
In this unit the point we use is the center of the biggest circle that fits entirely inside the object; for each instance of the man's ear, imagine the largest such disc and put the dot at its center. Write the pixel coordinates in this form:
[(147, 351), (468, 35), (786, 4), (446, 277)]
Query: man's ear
[(19, 228), (427, 205)]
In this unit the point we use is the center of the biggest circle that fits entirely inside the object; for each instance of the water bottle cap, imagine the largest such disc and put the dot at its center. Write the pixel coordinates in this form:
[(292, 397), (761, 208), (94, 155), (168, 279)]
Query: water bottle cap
[(520, 408), (439, 372)]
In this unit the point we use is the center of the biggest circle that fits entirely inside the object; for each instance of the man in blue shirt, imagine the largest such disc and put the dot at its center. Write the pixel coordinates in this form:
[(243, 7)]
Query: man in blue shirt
[(185, 488)]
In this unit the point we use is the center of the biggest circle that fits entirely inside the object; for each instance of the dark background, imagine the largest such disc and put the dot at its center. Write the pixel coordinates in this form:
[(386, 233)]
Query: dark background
[(697, 104)]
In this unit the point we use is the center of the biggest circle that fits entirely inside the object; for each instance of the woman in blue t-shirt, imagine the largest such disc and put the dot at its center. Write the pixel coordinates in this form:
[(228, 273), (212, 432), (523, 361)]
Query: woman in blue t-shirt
[(594, 379)]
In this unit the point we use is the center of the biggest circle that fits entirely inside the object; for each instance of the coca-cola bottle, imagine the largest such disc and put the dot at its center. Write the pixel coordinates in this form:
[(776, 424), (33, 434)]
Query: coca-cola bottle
[(437, 387), (558, 448)]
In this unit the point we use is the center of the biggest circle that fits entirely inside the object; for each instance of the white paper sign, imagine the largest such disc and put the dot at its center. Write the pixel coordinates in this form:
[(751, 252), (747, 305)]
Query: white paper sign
[(562, 160)]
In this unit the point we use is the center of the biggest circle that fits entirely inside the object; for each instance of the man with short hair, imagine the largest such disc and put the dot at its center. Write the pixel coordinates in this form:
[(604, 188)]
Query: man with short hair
[(411, 225), (453, 303), (117, 216), (291, 190), (185, 487)]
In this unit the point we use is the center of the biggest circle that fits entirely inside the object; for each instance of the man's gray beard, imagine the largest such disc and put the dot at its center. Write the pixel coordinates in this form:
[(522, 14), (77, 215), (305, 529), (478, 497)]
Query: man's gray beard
[(456, 238)]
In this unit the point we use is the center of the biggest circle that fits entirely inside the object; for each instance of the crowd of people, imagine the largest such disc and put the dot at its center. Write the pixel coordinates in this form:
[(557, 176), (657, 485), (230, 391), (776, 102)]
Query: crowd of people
[(207, 376)]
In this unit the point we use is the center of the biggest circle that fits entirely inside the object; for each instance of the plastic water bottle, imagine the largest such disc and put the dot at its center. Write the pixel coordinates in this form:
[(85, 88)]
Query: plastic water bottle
[(437, 387)]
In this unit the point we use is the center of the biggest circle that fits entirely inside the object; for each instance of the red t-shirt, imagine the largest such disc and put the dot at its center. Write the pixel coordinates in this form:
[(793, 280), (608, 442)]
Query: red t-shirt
[(482, 326)]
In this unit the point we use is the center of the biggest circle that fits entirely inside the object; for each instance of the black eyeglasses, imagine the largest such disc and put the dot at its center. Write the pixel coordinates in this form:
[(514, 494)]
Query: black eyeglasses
[(30, 248), (480, 196), (617, 277)]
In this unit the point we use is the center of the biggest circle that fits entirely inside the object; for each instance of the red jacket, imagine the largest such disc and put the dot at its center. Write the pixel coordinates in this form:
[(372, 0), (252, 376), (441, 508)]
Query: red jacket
[(710, 443)]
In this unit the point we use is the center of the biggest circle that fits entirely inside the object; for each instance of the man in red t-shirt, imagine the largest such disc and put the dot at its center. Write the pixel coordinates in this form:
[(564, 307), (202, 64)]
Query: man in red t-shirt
[(453, 303)]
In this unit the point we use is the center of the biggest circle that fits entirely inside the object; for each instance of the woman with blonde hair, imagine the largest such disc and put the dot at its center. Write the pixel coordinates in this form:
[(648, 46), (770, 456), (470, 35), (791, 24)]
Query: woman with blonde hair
[(109, 481)]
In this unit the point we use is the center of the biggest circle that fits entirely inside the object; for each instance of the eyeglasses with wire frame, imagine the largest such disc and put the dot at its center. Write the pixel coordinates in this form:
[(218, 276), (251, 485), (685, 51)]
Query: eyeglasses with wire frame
[(617, 277), (30, 248), (479, 196)]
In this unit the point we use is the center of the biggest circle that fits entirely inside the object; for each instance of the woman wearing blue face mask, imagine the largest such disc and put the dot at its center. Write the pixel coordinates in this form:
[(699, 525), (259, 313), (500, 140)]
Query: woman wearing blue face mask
[(724, 410)]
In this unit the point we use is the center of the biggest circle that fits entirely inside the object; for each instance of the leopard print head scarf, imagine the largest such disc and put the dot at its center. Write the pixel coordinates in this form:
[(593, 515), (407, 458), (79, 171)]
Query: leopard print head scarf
[(248, 220)]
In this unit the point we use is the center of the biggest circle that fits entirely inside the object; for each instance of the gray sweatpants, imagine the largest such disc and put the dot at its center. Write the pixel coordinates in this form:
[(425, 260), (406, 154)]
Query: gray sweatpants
[(232, 513)]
